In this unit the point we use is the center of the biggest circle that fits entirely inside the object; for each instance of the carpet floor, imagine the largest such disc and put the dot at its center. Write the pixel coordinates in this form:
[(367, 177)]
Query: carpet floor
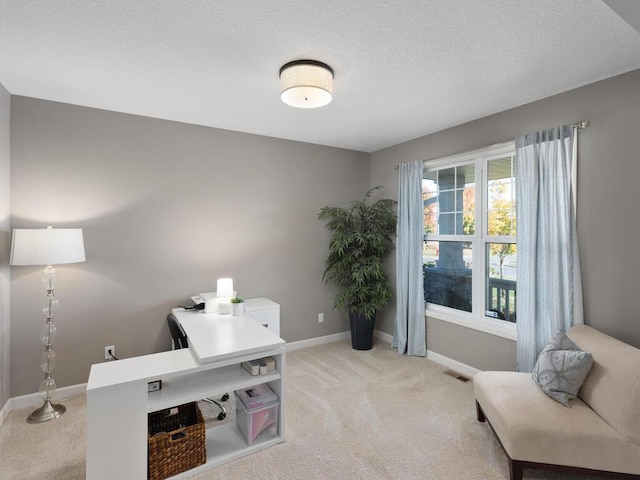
[(349, 415)]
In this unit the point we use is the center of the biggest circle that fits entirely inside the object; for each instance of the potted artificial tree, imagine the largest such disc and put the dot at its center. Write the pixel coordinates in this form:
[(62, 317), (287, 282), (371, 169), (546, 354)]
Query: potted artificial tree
[(362, 236)]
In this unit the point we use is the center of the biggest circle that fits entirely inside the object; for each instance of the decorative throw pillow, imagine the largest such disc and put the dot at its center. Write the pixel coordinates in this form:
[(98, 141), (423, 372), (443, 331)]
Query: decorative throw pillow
[(561, 368)]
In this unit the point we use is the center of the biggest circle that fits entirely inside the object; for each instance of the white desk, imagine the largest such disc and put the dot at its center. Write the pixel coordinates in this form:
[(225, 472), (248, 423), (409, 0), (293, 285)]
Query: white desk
[(118, 402), (214, 337), (265, 311)]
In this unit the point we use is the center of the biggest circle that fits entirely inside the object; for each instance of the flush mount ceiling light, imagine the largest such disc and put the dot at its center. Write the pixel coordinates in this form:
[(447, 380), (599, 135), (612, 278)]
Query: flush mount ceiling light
[(306, 83)]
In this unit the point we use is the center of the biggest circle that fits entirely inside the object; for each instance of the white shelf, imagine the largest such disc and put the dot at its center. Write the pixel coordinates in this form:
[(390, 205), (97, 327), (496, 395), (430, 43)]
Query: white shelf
[(226, 443), (132, 371), (208, 383)]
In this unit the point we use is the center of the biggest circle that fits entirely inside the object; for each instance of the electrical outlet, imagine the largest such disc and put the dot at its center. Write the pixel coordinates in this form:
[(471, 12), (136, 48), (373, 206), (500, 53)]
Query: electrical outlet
[(110, 348), (320, 317)]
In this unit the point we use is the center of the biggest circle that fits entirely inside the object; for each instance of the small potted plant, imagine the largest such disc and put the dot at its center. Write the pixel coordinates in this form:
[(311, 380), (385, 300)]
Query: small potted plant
[(237, 306)]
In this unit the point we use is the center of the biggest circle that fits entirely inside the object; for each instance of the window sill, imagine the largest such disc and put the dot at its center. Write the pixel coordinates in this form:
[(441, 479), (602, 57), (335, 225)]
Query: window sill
[(499, 328)]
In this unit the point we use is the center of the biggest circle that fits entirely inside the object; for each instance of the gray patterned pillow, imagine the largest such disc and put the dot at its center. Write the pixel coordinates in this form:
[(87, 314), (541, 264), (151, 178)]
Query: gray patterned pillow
[(561, 368)]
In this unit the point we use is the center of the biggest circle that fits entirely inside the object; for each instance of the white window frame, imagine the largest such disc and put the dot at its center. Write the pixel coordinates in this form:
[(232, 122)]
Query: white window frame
[(476, 319)]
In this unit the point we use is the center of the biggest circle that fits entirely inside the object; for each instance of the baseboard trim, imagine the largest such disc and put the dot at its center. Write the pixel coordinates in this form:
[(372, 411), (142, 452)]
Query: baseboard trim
[(33, 399), (459, 367), (312, 342), (385, 337), (336, 337)]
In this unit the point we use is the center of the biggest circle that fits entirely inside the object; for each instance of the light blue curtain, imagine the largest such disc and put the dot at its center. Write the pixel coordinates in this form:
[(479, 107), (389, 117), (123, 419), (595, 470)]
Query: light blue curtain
[(549, 284), (409, 331)]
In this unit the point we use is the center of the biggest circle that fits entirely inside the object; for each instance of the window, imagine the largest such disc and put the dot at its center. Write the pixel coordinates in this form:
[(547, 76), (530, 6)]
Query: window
[(470, 252)]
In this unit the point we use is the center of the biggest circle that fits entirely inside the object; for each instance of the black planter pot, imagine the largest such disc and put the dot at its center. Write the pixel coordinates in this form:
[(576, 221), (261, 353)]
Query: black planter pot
[(361, 331)]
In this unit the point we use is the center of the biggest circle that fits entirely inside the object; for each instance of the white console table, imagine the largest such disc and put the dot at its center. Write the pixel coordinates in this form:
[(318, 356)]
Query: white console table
[(118, 402)]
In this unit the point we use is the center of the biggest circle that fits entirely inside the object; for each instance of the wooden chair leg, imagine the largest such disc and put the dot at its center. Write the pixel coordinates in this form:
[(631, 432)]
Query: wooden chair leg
[(480, 413), (516, 469)]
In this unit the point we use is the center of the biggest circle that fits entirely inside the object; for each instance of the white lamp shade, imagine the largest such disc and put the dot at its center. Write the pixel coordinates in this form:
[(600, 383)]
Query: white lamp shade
[(225, 288), (306, 84), (47, 246)]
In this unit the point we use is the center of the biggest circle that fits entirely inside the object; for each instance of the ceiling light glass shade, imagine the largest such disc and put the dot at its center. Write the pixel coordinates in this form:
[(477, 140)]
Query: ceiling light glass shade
[(306, 84), (47, 246)]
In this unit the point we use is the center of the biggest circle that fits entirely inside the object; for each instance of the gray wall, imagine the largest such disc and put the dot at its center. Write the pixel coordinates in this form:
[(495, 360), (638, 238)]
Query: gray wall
[(608, 199), (166, 208), (5, 246)]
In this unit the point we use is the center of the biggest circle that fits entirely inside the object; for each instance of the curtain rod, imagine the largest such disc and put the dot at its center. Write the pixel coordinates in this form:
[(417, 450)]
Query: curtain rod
[(580, 126)]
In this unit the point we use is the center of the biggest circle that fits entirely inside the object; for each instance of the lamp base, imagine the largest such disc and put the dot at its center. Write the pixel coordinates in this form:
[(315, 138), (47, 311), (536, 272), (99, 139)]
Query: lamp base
[(46, 412)]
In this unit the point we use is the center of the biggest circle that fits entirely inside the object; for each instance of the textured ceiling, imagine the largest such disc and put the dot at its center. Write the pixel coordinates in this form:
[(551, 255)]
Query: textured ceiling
[(403, 68)]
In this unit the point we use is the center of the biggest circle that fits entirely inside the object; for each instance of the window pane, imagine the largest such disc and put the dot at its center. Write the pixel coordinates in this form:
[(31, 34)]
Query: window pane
[(447, 274), (466, 175), (430, 201), (502, 263), (449, 200), (469, 210), (447, 178), (447, 224), (501, 195)]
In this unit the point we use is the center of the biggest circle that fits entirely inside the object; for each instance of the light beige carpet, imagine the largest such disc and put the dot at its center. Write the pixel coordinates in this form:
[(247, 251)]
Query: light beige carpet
[(349, 415)]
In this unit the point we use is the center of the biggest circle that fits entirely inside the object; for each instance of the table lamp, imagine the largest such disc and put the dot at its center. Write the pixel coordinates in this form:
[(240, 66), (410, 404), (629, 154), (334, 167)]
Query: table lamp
[(47, 246), (224, 293)]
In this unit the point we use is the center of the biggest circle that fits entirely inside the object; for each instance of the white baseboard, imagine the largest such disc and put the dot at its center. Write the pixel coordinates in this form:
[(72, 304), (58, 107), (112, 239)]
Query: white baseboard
[(312, 342), (34, 400), (459, 367), (436, 357), (385, 337), (336, 337)]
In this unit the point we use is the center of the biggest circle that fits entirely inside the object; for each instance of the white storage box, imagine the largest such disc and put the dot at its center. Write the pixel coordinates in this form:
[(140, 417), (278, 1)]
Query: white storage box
[(256, 411)]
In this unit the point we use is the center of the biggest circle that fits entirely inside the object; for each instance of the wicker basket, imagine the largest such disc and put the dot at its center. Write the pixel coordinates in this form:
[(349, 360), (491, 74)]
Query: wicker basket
[(177, 442)]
